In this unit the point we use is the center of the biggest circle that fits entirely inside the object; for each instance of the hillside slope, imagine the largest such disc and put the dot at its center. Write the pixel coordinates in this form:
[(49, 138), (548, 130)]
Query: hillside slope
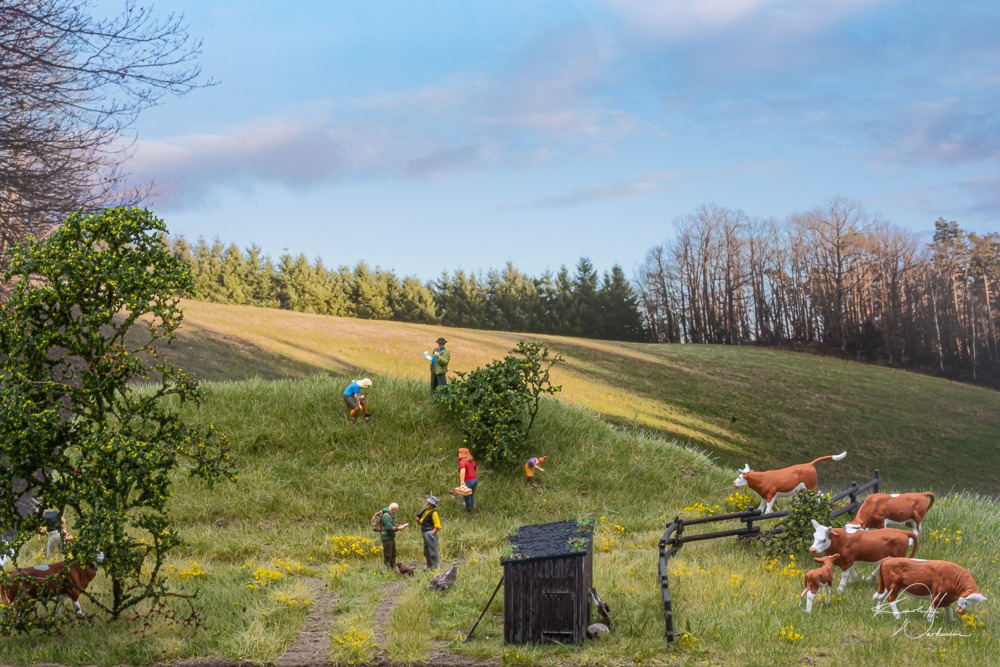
[(310, 481), (743, 405)]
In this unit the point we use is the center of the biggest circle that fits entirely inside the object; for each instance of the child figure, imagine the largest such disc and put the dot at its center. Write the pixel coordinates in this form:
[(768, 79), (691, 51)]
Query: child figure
[(355, 400), (533, 464)]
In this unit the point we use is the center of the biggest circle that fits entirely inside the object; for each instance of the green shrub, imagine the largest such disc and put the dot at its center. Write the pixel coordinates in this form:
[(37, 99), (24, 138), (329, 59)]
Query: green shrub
[(797, 534), (495, 405)]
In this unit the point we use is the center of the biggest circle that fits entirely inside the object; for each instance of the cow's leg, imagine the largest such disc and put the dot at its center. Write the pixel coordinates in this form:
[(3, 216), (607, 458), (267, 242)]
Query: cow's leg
[(845, 577), (809, 601), (895, 612), (828, 588), (875, 571), (79, 609), (770, 505)]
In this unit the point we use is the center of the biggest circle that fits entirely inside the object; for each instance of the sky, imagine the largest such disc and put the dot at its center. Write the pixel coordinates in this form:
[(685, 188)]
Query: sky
[(434, 136)]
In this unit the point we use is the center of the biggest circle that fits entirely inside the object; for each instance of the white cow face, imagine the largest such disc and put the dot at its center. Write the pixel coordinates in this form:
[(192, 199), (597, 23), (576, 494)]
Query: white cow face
[(739, 481), (821, 538), (964, 604)]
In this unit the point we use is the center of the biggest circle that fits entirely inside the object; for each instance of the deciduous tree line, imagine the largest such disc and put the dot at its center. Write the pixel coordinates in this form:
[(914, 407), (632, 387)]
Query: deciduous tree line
[(835, 276), (581, 304)]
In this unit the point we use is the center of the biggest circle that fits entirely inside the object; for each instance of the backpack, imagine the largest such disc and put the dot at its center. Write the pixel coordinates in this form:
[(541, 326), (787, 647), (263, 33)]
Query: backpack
[(376, 522)]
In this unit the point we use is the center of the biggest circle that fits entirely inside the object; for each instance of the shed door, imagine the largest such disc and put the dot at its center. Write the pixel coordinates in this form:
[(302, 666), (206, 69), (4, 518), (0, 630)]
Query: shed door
[(558, 603)]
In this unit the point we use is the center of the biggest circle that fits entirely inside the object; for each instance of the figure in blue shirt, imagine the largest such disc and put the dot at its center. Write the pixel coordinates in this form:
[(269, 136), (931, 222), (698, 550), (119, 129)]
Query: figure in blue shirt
[(355, 400)]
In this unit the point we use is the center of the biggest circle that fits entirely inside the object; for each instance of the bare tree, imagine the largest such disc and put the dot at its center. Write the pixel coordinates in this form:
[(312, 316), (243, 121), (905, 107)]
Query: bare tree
[(71, 87)]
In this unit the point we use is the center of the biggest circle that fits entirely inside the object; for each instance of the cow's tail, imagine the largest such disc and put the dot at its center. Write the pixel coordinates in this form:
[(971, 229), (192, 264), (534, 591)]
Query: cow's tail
[(835, 457), (913, 541), (931, 497)]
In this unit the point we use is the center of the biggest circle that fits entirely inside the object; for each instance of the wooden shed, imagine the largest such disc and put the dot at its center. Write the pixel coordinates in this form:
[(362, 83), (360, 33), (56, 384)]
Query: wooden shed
[(548, 573)]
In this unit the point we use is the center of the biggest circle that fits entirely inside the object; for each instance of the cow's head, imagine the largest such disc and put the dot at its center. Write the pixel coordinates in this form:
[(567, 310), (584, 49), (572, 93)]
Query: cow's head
[(821, 538), (967, 602), (739, 481), (827, 559)]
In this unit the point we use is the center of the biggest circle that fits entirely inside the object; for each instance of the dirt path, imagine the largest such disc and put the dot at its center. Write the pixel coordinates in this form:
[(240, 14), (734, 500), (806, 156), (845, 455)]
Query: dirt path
[(312, 647)]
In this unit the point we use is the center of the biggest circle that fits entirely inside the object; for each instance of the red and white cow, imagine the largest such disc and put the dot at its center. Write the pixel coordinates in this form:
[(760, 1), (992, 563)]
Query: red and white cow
[(940, 581), (818, 580), (771, 484), (860, 546), (57, 578), (899, 508)]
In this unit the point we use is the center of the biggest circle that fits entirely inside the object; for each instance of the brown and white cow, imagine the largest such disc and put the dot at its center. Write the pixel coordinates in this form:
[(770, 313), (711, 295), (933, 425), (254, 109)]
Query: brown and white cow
[(817, 580), (899, 508), (56, 577), (940, 581), (771, 484), (860, 546)]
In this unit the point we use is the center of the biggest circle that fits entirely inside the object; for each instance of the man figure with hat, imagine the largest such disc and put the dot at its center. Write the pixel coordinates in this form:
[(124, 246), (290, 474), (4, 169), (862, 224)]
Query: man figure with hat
[(439, 365), (430, 526)]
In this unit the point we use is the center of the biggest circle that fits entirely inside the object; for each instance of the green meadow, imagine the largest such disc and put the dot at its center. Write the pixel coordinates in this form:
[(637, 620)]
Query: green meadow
[(639, 435)]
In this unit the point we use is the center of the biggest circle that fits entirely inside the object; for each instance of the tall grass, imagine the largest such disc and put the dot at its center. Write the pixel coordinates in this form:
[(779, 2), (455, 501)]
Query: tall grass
[(308, 475)]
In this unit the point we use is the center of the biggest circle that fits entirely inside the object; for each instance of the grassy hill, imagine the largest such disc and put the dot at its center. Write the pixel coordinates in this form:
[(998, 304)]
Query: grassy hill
[(310, 481), (740, 404)]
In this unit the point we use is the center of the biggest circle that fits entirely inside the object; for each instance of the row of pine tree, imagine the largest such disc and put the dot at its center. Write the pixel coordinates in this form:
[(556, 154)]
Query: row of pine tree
[(583, 303)]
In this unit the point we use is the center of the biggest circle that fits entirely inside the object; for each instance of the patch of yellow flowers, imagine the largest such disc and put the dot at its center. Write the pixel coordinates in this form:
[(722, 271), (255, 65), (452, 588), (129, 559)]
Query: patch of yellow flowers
[(292, 601), (789, 634), (791, 568), (192, 571), (352, 546), (278, 568)]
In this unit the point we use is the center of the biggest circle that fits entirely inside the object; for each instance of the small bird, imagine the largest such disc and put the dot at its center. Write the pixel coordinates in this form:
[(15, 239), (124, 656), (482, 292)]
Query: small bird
[(444, 580), (405, 568)]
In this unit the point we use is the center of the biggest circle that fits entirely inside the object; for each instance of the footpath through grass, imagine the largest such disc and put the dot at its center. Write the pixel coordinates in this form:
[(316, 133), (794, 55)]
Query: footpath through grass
[(310, 481)]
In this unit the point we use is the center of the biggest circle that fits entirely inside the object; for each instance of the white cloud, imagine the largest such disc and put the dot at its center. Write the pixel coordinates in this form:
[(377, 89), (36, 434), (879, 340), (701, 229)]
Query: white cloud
[(643, 186)]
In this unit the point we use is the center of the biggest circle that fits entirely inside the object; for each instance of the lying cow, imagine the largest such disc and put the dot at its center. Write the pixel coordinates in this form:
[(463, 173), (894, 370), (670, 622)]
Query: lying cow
[(899, 508), (771, 484), (940, 581), (860, 546), (55, 578), (817, 580)]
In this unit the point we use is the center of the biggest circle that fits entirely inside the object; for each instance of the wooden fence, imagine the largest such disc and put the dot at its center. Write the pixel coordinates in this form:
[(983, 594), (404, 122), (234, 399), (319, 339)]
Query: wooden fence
[(674, 537)]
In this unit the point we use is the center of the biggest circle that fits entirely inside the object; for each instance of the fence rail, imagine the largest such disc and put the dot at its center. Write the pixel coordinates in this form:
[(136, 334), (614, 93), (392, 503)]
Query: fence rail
[(674, 538)]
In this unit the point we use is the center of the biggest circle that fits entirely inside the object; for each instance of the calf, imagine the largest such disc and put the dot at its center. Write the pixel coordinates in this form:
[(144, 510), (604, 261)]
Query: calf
[(56, 578), (771, 484), (899, 508), (860, 546), (817, 580), (940, 581)]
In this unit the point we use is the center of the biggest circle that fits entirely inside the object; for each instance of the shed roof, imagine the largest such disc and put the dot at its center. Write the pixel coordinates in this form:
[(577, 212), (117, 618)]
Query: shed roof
[(550, 540)]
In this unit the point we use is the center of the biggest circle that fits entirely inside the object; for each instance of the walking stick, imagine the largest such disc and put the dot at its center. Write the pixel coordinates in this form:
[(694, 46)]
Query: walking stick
[(473, 628)]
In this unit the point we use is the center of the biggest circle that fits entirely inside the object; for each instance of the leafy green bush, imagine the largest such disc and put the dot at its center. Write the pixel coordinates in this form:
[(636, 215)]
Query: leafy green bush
[(87, 308), (495, 405), (797, 536)]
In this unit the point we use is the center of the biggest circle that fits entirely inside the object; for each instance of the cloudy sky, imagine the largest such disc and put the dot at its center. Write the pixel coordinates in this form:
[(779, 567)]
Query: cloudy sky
[(439, 135)]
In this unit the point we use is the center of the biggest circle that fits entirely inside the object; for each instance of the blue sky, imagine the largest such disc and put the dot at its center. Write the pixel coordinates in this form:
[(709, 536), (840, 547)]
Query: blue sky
[(429, 136)]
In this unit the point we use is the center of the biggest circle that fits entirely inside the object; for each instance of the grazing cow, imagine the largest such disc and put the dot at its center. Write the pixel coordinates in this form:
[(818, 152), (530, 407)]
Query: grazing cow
[(56, 578), (818, 580), (899, 508), (860, 546), (771, 484), (940, 581)]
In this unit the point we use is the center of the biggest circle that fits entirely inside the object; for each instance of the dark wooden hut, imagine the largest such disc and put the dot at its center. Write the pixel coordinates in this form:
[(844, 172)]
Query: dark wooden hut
[(548, 573)]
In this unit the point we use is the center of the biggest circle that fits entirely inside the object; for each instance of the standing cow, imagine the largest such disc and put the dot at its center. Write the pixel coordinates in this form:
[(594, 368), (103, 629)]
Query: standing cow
[(771, 484), (55, 578), (860, 546), (899, 508), (940, 581)]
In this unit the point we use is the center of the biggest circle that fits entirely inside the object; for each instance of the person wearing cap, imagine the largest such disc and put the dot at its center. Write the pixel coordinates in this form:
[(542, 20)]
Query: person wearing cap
[(388, 534), (355, 400), (439, 365), (430, 526), (54, 532)]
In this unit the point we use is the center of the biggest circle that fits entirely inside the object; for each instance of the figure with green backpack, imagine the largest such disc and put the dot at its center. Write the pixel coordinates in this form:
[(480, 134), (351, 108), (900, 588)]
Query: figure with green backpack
[(384, 521)]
